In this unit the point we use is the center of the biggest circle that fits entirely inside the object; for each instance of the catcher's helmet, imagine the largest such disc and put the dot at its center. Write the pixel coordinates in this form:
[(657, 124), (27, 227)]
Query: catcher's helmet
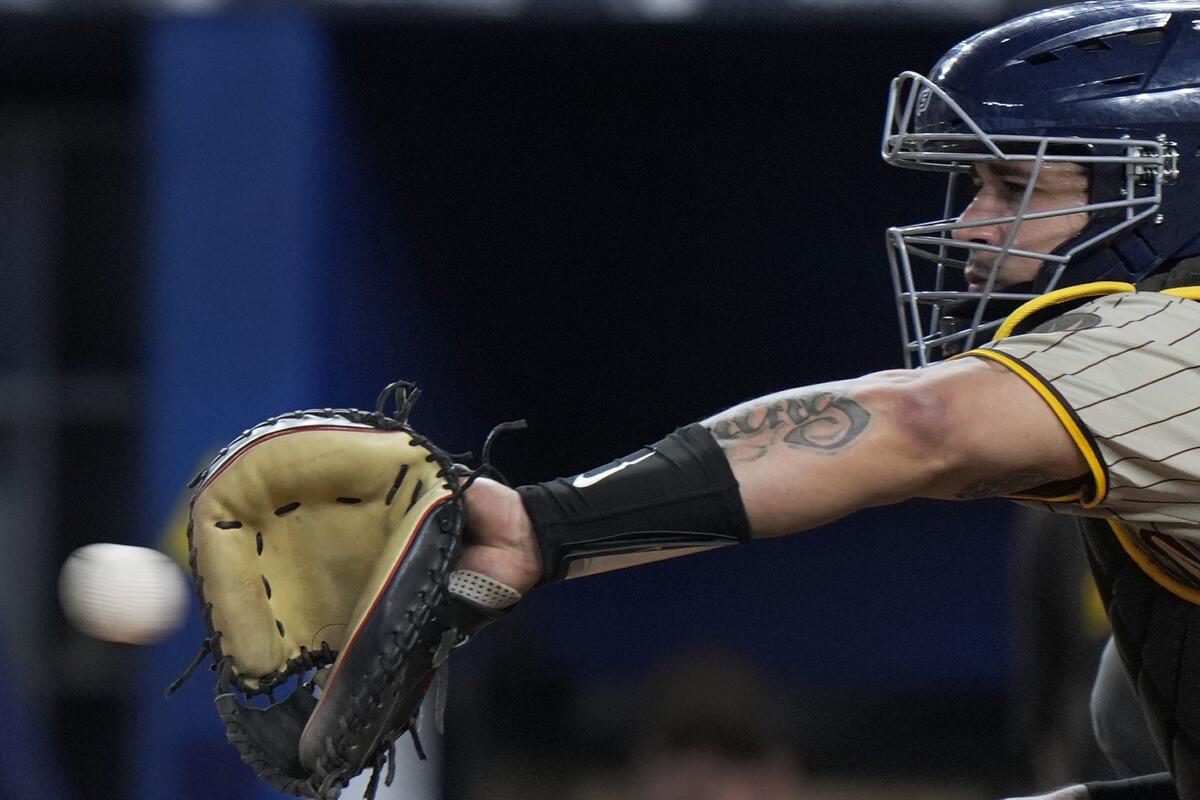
[(1112, 85)]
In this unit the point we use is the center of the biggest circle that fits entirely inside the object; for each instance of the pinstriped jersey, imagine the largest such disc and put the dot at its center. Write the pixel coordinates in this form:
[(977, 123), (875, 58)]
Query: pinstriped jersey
[(1122, 372)]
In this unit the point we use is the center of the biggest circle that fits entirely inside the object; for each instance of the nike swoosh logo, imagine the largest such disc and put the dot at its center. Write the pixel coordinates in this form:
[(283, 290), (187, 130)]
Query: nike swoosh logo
[(584, 481)]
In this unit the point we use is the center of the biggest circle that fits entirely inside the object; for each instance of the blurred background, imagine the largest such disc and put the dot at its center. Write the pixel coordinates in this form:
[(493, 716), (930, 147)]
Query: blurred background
[(608, 217)]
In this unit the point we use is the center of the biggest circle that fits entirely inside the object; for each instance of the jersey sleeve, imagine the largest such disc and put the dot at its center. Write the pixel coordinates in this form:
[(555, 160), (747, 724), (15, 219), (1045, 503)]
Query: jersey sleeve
[(1122, 373)]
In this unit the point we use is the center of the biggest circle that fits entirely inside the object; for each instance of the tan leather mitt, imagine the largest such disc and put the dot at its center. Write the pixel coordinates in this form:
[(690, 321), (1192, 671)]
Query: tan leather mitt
[(322, 544)]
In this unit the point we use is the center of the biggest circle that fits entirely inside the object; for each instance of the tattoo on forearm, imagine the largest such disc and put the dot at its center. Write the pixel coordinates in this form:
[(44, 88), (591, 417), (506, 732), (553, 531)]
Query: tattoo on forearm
[(822, 421), (1006, 483)]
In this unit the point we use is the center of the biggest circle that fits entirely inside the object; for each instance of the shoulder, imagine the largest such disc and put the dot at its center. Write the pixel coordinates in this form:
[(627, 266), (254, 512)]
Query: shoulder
[(1109, 344), (1144, 316), (1095, 304), (1124, 369)]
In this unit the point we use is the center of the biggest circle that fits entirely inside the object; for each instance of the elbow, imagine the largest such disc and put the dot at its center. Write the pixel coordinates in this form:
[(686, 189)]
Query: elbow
[(917, 415)]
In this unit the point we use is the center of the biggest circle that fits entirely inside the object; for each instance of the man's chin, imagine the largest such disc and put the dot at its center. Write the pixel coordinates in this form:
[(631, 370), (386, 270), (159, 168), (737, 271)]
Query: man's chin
[(977, 281)]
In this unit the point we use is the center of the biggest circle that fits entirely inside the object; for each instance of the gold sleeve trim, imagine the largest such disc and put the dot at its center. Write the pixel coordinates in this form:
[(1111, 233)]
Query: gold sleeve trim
[(1067, 419), (1152, 570), (1187, 292), (1095, 289)]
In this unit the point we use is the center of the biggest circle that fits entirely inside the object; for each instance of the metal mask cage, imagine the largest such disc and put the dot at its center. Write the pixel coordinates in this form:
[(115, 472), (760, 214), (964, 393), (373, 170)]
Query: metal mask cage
[(927, 262)]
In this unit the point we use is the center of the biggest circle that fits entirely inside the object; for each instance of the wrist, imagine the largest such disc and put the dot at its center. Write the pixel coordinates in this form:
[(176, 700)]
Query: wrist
[(527, 559), (677, 493)]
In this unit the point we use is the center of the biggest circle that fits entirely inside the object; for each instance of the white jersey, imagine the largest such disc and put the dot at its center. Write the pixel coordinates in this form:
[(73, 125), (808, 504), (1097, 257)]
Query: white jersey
[(1122, 372)]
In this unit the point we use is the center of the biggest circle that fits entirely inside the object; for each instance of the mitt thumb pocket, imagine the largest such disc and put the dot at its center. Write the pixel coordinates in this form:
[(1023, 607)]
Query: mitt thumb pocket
[(374, 688)]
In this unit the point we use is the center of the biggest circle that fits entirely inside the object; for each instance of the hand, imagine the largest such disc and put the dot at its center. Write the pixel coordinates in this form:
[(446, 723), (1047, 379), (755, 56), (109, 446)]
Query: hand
[(499, 536)]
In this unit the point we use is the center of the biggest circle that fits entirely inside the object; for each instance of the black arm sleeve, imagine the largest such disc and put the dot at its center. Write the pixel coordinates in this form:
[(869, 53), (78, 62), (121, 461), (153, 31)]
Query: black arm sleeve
[(679, 492)]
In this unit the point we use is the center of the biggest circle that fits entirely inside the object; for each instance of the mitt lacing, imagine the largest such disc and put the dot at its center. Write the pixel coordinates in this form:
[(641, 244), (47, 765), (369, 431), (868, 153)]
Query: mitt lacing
[(486, 467), (206, 647), (403, 395)]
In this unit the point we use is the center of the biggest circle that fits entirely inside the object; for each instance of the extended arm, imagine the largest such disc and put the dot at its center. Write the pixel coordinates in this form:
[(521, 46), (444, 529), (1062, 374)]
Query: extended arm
[(966, 429), (801, 458)]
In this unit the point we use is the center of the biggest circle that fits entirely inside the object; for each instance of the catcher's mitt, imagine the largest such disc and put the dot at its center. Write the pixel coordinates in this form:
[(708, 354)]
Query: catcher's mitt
[(321, 544)]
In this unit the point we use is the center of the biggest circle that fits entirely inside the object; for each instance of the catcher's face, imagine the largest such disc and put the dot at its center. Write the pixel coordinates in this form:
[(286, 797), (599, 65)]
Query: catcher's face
[(1001, 187)]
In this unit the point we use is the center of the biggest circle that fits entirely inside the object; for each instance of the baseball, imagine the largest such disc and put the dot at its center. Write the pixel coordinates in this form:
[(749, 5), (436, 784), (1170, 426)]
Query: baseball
[(120, 593)]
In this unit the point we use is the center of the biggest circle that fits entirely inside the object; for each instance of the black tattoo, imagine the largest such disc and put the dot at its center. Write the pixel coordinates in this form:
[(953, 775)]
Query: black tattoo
[(1019, 480), (823, 421)]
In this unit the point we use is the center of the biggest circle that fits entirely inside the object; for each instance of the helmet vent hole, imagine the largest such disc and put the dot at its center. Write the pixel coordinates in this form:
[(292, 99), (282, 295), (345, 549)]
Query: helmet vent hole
[(1146, 38), (1041, 58), (1092, 45), (1123, 79)]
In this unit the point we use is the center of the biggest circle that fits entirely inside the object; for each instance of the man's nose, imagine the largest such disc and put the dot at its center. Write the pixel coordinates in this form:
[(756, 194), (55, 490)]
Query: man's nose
[(983, 206)]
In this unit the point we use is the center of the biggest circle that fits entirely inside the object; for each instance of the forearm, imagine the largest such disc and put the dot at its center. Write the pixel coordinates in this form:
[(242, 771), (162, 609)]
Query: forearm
[(963, 430), (807, 456), (788, 461)]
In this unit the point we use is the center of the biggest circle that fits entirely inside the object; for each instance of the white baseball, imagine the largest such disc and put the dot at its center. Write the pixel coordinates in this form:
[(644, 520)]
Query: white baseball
[(120, 593)]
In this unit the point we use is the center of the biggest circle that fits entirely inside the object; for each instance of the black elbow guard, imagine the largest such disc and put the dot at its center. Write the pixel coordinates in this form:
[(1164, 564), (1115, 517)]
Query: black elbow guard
[(679, 492)]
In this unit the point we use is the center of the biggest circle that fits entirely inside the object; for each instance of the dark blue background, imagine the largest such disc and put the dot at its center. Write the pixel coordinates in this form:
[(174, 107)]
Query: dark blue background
[(608, 230)]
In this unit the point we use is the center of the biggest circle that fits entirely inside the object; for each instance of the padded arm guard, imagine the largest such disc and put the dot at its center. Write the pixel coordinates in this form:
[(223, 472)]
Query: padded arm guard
[(677, 493)]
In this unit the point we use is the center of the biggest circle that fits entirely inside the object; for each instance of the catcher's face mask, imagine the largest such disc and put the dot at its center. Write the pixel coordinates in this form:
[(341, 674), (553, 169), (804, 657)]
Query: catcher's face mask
[(1018, 210)]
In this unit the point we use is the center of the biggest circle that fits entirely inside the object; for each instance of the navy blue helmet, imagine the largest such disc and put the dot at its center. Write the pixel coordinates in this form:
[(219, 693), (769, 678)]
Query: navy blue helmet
[(1113, 86)]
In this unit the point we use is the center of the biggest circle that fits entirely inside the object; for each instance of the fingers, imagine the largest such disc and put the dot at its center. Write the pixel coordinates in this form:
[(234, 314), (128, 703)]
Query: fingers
[(500, 536)]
